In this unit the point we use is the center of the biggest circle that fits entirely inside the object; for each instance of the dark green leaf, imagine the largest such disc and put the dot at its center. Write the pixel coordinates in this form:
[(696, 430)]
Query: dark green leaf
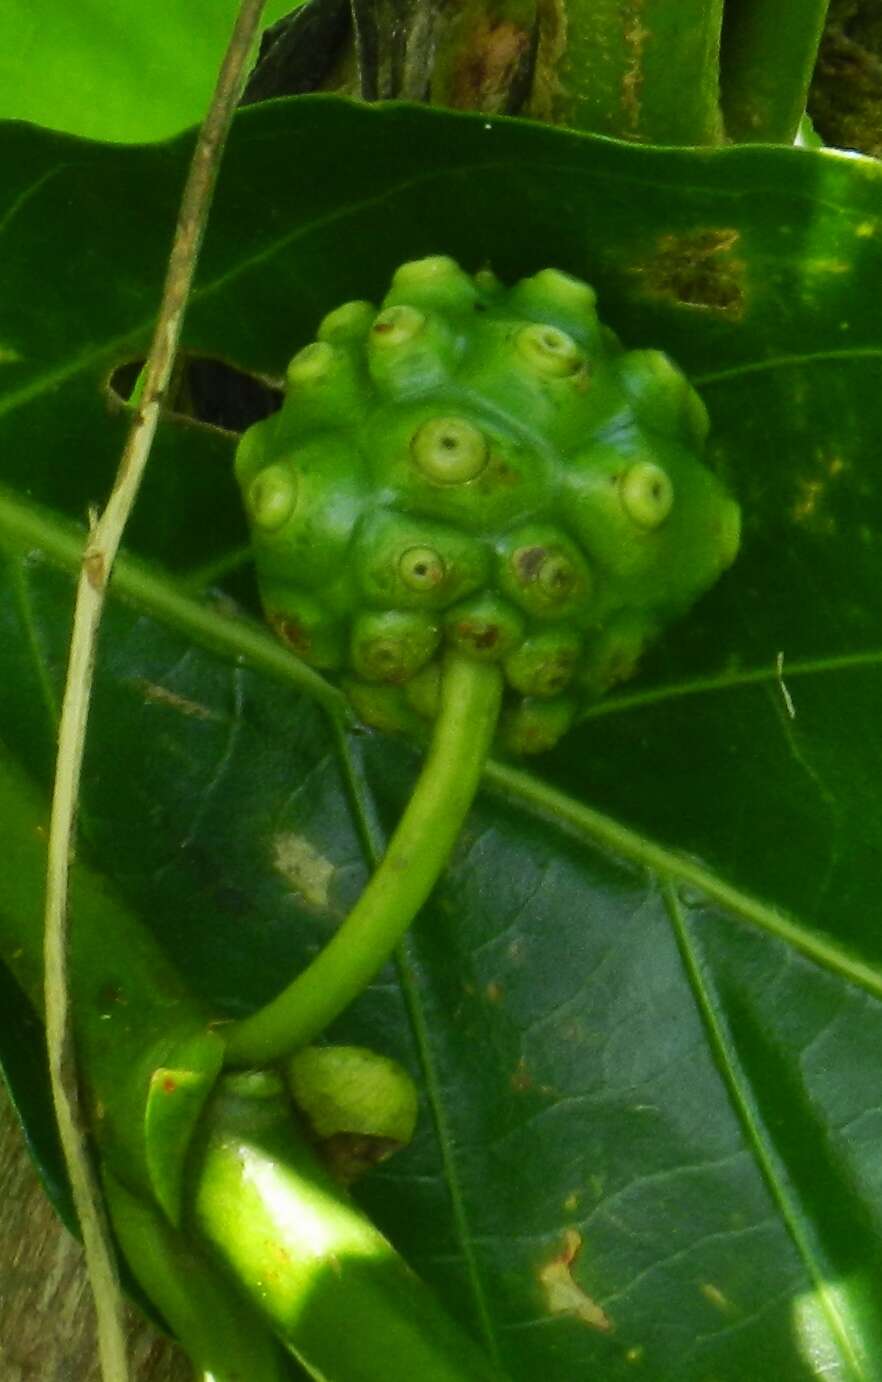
[(644, 1007)]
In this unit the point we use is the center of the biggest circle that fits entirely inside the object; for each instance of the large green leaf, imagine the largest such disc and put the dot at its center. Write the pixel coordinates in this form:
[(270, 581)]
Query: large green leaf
[(644, 1006), (114, 69)]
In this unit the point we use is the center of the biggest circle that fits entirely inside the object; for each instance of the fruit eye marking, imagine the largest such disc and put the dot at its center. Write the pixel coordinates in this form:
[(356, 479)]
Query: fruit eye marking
[(421, 568), (311, 363), (647, 494), (449, 450), (272, 496), (395, 326), (549, 350)]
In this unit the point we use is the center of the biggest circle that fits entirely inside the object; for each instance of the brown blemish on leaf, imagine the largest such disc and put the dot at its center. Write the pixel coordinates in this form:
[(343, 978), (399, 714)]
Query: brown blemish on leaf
[(308, 871), (161, 694), (715, 1297), (493, 992), (563, 1295), (810, 504), (697, 269)]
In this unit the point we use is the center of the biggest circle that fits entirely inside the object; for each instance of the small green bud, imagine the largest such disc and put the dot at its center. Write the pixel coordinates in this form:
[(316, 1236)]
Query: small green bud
[(544, 663), (437, 283), (662, 396), (328, 387), (396, 326), (410, 352), (647, 494), (550, 351), (485, 628), (449, 450), (409, 563), (534, 726), (613, 655), (423, 692), (272, 496), (349, 1089), (308, 628), (560, 300), (349, 323), (392, 645), (488, 285), (543, 571), (384, 707), (311, 364)]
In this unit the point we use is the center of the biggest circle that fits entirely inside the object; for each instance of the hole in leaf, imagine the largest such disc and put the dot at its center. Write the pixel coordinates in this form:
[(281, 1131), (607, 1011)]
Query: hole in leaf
[(204, 391)]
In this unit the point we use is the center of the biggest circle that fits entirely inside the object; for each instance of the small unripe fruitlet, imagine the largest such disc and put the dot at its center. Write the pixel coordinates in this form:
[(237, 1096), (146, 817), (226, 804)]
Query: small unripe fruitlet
[(473, 467)]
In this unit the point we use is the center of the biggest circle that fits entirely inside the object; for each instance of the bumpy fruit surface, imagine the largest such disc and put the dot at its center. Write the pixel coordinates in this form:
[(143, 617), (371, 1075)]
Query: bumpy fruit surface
[(485, 469)]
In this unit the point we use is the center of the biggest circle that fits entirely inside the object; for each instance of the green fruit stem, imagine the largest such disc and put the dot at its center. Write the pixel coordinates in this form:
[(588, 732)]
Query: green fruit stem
[(470, 698), (331, 1286)]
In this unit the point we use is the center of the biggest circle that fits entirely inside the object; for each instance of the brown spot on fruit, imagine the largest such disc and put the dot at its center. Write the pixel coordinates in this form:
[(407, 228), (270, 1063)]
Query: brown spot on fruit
[(528, 560)]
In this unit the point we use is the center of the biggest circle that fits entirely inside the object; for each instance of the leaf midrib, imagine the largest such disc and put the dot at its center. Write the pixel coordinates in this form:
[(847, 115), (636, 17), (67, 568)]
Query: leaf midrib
[(781, 1192)]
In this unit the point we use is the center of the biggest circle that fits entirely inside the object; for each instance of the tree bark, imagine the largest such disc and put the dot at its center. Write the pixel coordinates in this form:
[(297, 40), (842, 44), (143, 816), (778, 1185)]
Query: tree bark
[(46, 1318)]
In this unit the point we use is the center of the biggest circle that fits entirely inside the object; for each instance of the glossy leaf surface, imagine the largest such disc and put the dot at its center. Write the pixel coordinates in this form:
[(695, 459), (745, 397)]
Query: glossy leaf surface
[(127, 70), (644, 1007)]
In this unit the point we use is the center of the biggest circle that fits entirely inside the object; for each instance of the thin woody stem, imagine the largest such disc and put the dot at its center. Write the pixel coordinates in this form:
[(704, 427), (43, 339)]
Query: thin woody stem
[(98, 558)]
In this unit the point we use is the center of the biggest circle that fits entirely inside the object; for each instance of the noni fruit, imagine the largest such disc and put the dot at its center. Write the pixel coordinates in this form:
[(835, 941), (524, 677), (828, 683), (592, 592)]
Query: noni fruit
[(485, 469)]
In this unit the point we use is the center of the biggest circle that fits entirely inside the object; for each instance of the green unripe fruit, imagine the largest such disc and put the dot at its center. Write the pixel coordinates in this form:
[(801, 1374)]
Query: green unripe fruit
[(481, 468)]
